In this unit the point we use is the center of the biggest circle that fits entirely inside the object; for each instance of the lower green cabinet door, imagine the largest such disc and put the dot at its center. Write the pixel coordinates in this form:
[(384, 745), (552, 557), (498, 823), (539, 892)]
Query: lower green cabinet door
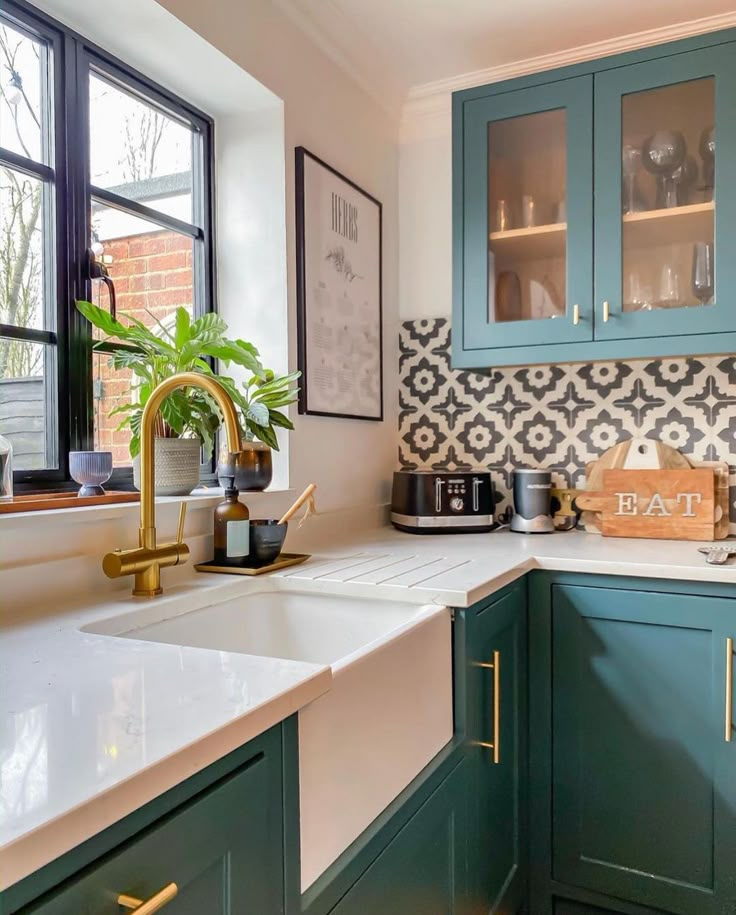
[(423, 870), (497, 730), (643, 779), (223, 850)]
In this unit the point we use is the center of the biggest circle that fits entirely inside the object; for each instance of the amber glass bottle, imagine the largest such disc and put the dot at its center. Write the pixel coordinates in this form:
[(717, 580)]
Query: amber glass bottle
[(232, 534)]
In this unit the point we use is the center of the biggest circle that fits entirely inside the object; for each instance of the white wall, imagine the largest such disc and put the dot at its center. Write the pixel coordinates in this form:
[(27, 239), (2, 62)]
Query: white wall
[(350, 460), (425, 217)]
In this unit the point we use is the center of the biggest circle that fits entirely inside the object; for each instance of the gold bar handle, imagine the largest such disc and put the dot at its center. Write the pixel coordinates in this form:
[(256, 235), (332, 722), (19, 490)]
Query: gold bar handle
[(151, 905), (606, 312), (495, 666), (728, 723), (576, 314)]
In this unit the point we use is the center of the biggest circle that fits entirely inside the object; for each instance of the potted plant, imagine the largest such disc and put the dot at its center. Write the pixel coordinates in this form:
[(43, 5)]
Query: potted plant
[(259, 402), (189, 417)]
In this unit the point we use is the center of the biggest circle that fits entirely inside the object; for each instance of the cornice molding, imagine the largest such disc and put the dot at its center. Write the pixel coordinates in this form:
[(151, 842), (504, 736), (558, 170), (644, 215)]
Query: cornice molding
[(427, 105)]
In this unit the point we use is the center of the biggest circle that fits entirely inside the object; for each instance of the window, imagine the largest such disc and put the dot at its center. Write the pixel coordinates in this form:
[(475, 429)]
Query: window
[(105, 194)]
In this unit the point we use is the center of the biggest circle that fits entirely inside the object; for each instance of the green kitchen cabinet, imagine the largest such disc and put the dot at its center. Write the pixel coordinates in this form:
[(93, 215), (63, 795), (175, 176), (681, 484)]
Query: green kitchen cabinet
[(497, 746), (423, 870), (633, 788), (223, 849), (589, 218)]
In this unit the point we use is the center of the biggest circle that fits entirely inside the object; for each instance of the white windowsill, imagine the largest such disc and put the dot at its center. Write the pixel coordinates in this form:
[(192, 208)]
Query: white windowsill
[(204, 497)]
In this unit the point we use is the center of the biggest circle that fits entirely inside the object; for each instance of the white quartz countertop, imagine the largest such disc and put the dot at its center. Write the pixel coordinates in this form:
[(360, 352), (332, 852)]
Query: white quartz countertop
[(458, 570), (92, 726)]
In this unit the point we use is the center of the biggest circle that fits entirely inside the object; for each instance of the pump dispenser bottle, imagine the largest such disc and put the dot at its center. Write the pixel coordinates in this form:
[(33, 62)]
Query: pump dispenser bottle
[(232, 527)]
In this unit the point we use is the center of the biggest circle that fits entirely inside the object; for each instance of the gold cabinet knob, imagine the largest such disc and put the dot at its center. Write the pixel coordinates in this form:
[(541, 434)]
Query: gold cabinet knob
[(150, 905)]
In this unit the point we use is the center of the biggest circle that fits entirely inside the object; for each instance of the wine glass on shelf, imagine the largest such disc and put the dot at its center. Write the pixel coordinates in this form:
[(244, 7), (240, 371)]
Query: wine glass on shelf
[(708, 155), (662, 154), (702, 278)]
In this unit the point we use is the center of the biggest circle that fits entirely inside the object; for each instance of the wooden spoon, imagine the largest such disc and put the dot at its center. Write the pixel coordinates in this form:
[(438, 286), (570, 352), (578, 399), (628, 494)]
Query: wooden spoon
[(307, 494)]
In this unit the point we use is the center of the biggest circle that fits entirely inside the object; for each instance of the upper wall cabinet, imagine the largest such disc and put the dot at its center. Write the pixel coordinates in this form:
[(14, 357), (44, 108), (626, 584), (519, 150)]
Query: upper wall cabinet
[(590, 219)]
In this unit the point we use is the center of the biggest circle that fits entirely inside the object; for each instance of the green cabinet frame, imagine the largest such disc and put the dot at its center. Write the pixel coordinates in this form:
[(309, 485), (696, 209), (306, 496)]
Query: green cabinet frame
[(610, 88), (497, 745), (575, 97), (632, 789), (423, 869), (592, 94)]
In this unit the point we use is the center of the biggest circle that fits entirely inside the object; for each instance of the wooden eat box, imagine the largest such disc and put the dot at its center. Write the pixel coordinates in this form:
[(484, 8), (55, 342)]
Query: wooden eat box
[(667, 504)]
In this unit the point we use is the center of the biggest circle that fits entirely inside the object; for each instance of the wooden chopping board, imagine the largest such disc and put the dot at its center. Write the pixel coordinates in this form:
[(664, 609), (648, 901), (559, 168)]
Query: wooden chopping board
[(668, 504), (635, 454)]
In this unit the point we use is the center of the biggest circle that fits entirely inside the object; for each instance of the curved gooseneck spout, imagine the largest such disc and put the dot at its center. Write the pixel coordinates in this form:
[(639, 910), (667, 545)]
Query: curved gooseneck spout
[(146, 561)]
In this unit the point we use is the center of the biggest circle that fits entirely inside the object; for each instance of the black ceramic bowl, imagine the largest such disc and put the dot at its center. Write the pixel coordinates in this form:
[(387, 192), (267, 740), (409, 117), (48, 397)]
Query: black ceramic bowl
[(266, 540)]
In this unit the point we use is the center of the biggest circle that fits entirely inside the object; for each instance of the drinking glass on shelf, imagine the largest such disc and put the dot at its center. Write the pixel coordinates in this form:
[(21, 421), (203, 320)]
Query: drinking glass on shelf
[(670, 293), (637, 295), (503, 216), (528, 211), (702, 279)]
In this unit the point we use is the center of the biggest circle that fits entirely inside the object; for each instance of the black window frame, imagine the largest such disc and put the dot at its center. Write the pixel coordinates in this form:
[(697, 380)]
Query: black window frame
[(72, 59)]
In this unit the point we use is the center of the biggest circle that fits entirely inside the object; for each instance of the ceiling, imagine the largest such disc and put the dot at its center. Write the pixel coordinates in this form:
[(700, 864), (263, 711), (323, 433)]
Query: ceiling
[(392, 46)]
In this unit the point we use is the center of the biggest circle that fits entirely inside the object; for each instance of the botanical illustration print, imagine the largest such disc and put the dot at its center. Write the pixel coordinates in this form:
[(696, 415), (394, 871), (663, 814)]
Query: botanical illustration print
[(339, 260), (558, 416)]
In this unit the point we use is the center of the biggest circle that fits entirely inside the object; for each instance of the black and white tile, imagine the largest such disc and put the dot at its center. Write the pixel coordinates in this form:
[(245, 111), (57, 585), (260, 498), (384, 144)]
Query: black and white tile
[(558, 416)]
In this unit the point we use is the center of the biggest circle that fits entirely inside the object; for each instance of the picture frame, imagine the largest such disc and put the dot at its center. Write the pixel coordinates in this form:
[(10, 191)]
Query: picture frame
[(339, 260)]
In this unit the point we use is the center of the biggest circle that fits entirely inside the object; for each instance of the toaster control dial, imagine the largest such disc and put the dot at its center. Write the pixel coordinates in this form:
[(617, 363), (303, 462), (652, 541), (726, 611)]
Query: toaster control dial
[(456, 504)]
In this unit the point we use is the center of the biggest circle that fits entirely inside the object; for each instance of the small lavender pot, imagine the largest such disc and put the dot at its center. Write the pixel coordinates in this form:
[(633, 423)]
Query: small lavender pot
[(91, 469)]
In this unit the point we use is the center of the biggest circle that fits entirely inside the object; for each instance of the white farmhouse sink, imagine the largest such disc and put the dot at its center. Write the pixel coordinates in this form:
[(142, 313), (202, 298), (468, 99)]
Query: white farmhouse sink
[(388, 712)]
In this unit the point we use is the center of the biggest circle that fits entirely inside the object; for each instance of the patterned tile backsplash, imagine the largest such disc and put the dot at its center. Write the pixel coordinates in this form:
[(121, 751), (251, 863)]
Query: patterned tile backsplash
[(556, 416)]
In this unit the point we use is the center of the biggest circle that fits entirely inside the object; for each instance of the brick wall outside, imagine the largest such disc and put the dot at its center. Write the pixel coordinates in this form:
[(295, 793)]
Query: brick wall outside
[(153, 277)]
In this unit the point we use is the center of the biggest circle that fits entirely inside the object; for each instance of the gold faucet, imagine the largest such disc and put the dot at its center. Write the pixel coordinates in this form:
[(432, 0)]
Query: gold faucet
[(148, 559)]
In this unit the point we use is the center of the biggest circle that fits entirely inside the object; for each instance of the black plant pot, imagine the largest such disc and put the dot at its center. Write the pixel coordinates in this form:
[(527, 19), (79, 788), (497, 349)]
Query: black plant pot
[(253, 467)]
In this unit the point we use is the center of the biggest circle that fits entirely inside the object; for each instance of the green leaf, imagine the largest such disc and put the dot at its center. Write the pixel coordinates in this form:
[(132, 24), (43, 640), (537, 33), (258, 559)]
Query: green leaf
[(104, 321), (276, 384), (258, 414), (183, 328), (209, 325), (266, 434), (231, 351), (280, 419)]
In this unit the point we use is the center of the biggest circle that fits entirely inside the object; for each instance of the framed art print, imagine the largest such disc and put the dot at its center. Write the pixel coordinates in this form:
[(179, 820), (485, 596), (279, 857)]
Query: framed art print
[(339, 308)]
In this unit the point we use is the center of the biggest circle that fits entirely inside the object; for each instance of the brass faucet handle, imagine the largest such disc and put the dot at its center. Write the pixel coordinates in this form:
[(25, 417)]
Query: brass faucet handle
[(182, 522)]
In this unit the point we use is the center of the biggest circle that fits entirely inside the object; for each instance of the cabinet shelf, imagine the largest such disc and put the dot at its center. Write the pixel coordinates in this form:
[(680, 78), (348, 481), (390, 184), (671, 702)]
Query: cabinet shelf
[(690, 223), (535, 243)]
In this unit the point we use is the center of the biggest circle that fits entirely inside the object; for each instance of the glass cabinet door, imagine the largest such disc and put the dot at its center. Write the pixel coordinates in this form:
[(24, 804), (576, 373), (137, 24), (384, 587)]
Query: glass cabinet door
[(659, 206), (528, 216)]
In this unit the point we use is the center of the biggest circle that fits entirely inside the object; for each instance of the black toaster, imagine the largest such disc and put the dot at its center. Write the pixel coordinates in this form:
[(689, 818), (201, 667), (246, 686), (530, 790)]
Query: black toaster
[(439, 502)]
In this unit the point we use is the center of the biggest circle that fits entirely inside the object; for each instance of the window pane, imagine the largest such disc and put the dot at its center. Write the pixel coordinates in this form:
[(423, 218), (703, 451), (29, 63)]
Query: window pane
[(22, 62), (139, 152), (21, 251), (152, 272), (28, 402), (112, 388)]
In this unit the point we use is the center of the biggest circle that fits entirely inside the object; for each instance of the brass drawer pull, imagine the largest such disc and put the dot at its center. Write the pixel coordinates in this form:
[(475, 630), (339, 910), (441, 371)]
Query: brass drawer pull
[(576, 315), (495, 666), (728, 723), (148, 906), (606, 312)]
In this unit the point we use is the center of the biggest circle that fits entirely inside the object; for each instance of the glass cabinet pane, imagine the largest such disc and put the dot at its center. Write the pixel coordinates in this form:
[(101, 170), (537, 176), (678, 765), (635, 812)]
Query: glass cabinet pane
[(668, 206), (527, 217)]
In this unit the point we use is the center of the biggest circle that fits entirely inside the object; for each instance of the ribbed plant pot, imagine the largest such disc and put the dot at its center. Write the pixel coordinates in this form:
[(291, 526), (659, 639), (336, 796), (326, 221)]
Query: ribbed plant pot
[(177, 466), (253, 467)]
